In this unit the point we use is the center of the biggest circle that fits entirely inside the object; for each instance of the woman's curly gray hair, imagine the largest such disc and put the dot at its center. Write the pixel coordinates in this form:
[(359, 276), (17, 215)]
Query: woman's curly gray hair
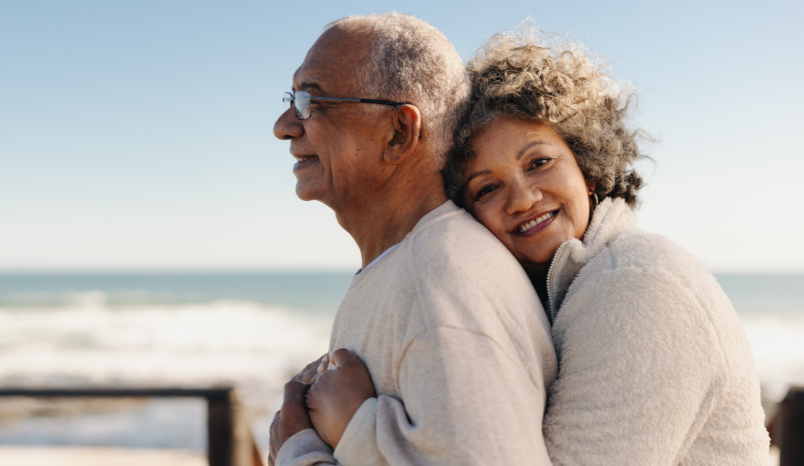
[(523, 76)]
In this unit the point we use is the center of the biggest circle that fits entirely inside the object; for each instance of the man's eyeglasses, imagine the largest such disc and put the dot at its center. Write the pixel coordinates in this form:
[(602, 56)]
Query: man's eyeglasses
[(301, 102)]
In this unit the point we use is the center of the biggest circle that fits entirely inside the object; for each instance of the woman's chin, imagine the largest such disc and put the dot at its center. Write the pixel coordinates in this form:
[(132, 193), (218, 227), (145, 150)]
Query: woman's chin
[(535, 264), (537, 258)]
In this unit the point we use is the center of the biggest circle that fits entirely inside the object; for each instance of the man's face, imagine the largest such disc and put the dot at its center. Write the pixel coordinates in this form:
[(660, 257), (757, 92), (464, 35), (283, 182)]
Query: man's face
[(339, 148)]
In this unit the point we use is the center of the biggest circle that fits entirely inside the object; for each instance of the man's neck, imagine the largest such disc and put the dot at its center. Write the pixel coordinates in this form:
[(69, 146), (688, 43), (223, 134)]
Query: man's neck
[(390, 216)]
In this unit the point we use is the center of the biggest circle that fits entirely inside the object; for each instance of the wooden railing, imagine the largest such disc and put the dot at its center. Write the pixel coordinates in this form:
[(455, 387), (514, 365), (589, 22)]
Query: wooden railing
[(787, 428), (229, 440)]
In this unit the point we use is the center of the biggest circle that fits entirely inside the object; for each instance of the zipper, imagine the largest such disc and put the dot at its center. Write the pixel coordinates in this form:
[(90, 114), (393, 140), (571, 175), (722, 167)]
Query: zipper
[(550, 281)]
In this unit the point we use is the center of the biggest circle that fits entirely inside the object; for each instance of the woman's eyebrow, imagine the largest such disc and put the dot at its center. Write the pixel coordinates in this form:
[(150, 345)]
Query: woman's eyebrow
[(525, 149), (476, 174)]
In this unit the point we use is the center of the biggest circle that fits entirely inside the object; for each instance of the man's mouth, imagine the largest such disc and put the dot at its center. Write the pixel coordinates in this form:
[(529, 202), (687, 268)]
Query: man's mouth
[(536, 224), (304, 160)]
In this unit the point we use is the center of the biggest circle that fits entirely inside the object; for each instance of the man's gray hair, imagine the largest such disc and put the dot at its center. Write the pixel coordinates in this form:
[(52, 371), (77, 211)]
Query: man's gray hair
[(412, 61)]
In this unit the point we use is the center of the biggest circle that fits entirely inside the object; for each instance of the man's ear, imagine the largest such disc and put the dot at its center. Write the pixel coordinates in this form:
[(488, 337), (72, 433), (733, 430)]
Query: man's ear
[(407, 122)]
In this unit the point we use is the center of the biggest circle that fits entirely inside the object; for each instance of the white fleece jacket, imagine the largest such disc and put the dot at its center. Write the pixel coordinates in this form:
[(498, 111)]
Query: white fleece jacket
[(654, 365)]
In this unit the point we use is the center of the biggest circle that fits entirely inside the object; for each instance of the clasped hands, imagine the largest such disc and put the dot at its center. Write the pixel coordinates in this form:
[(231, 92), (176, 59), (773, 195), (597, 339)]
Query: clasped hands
[(324, 396)]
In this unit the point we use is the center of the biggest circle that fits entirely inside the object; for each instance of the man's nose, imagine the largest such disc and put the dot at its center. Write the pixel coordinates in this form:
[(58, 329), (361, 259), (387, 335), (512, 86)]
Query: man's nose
[(287, 126), (522, 197)]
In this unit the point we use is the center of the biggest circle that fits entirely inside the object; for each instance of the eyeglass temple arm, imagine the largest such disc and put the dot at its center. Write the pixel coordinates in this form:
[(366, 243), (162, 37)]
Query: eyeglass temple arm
[(368, 101)]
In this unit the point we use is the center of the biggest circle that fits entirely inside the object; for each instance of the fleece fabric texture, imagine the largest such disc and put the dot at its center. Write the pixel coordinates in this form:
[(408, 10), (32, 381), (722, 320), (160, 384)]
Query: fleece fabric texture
[(448, 322), (655, 368)]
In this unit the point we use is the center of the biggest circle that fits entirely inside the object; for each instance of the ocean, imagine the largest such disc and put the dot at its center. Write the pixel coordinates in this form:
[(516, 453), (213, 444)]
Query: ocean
[(251, 330)]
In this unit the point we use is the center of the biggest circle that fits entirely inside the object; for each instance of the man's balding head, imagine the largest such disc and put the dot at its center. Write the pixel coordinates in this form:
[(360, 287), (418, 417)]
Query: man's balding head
[(409, 60)]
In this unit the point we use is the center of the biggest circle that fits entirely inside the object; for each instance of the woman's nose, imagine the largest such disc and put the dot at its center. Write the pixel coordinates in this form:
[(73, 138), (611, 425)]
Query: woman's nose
[(522, 197), (287, 126)]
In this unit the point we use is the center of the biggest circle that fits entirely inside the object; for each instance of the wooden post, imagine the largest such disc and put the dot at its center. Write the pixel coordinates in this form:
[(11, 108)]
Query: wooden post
[(220, 430), (229, 440), (790, 428)]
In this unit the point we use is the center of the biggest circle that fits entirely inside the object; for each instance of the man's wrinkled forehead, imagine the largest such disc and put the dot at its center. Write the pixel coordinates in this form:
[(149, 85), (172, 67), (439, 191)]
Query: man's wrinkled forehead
[(332, 61)]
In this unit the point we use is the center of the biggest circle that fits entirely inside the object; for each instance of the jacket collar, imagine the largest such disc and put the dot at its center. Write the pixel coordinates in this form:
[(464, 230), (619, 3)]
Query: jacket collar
[(610, 217)]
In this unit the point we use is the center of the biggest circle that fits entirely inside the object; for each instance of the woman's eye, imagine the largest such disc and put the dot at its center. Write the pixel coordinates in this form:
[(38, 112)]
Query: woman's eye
[(539, 162), (484, 190)]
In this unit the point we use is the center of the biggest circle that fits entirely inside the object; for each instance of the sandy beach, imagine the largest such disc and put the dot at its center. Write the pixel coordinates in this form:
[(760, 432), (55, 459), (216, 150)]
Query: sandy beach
[(103, 456), (99, 456)]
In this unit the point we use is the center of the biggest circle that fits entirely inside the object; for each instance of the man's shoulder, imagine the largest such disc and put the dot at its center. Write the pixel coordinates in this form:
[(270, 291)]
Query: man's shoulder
[(465, 278), (454, 255), (455, 243)]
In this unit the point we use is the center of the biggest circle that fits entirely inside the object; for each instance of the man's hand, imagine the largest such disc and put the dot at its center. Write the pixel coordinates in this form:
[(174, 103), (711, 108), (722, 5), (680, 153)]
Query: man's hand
[(310, 370), (335, 395), (293, 417)]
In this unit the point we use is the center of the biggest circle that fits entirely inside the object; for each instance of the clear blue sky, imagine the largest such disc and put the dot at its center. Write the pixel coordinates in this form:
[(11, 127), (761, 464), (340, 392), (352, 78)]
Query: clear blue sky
[(137, 135)]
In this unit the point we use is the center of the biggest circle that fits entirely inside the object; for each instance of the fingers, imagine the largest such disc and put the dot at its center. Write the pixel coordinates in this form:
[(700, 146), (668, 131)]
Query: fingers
[(324, 364), (294, 392), (293, 407), (320, 386), (315, 363), (310, 399), (293, 414), (291, 418), (309, 370), (343, 357)]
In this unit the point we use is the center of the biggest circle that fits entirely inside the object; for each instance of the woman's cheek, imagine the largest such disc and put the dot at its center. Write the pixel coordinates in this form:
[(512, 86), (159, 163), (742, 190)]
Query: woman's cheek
[(492, 215)]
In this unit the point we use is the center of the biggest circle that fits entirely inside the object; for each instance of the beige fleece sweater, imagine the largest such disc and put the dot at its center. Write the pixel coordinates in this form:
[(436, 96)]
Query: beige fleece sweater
[(448, 322), (655, 365)]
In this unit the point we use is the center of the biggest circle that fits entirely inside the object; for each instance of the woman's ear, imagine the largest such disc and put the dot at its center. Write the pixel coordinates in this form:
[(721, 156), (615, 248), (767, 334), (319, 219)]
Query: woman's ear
[(407, 122), (590, 187)]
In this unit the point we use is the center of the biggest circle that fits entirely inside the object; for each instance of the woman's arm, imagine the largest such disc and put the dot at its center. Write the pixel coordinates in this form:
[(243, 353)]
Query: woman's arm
[(638, 371)]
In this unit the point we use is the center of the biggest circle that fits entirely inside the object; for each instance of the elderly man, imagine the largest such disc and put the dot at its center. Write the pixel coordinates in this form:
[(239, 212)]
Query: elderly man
[(447, 323)]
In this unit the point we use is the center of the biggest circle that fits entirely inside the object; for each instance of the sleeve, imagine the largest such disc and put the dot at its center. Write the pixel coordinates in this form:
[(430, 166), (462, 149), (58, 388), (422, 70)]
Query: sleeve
[(305, 448), (466, 402), (638, 372)]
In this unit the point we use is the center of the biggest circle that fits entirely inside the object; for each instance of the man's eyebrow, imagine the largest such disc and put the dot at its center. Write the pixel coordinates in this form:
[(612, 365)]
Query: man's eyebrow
[(476, 174), (310, 85), (525, 149)]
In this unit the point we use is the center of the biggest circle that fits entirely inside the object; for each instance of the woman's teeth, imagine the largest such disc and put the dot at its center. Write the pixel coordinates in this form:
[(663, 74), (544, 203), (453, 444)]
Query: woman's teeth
[(533, 223)]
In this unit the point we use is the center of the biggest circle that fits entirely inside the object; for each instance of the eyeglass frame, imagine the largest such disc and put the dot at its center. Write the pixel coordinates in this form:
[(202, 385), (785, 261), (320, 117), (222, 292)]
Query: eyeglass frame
[(290, 97)]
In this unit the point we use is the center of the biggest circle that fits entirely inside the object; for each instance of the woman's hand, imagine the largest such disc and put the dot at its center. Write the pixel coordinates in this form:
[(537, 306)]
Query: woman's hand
[(336, 394)]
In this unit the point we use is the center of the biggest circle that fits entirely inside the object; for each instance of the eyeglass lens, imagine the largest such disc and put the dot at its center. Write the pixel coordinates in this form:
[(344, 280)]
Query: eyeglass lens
[(301, 103), (287, 100), (301, 100)]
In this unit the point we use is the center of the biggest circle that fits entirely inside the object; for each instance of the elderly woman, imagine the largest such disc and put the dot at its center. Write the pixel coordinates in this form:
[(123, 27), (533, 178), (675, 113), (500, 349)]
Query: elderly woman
[(654, 366)]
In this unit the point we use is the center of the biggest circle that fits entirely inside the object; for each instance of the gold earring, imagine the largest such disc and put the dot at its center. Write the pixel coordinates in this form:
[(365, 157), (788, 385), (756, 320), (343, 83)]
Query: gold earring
[(596, 201)]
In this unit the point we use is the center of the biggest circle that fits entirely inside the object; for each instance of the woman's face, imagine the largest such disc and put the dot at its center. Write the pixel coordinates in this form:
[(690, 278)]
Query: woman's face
[(526, 187)]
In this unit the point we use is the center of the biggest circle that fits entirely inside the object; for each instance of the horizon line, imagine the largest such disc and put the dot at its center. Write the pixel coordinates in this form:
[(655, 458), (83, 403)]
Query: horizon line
[(269, 270)]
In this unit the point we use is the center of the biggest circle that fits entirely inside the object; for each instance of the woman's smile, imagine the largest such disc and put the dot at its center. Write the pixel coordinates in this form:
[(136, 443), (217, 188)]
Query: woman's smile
[(531, 227)]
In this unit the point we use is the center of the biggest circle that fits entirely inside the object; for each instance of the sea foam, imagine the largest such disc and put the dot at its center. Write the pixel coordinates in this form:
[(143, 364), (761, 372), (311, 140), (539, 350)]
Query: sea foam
[(91, 338)]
